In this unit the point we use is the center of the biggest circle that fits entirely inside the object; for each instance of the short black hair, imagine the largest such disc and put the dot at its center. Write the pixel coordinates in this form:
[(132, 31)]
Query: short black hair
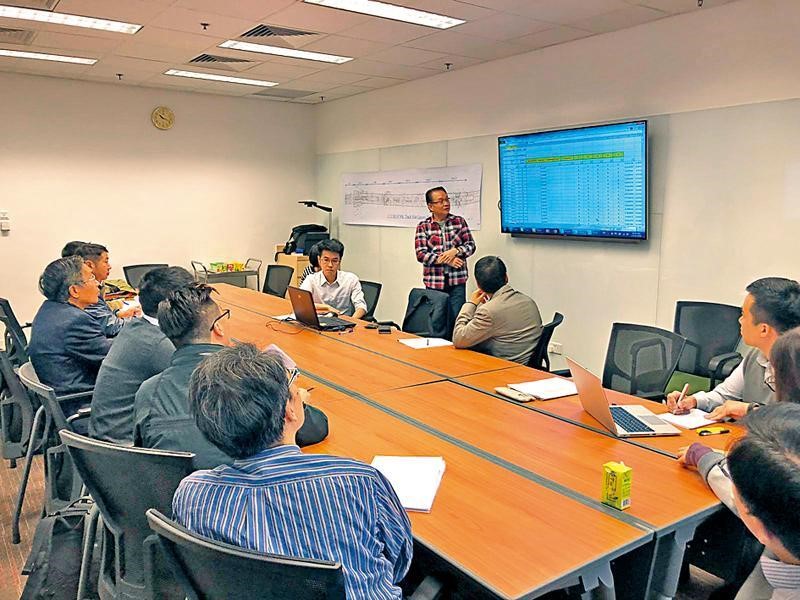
[(429, 193), (765, 468), (59, 275), (186, 314), (331, 245), (490, 273), (777, 302), (158, 283), (784, 356), (313, 255), (90, 251), (70, 248), (238, 398)]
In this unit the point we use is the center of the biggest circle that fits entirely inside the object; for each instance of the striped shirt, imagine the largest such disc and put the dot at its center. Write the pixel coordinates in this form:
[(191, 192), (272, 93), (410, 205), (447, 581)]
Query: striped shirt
[(782, 577), (285, 502), (432, 240)]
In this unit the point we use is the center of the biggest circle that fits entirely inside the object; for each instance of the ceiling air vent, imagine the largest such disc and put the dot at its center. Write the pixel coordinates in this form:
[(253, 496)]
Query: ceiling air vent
[(273, 31), (22, 37), (223, 63)]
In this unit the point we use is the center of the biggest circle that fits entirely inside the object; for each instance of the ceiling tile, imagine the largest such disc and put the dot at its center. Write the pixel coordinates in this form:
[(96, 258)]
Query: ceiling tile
[(456, 62), (452, 42), (402, 55), (566, 11), (175, 39), (51, 39), (386, 31), (181, 19), (330, 76), (316, 18), (679, 6), (503, 26), (121, 64), (130, 11), (344, 46), (152, 52), (620, 19), (98, 73), (252, 10), (449, 8), (379, 82), (557, 35), (345, 90), (275, 71), (379, 69)]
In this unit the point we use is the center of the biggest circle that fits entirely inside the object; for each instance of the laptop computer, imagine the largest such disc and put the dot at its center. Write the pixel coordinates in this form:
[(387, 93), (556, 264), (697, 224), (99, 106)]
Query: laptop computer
[(305, 312), (623, 421)]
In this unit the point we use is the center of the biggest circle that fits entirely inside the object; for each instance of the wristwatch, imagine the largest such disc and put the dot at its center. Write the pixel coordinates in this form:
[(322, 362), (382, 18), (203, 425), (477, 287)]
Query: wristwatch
[(753, 406)]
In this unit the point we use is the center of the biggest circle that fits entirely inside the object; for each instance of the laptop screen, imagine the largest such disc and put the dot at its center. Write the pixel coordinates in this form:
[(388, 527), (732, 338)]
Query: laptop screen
[(303, 306)]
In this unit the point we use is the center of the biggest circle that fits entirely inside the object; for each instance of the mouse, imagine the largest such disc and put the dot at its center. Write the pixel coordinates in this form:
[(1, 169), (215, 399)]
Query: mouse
[(371, 326)]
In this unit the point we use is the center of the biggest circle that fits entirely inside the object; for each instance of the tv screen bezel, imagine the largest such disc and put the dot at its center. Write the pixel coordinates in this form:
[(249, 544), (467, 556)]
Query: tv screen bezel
[(590, 238)]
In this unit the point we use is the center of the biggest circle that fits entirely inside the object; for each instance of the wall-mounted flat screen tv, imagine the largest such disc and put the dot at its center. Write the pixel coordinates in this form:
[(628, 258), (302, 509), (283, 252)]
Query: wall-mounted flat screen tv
[(583, 183)]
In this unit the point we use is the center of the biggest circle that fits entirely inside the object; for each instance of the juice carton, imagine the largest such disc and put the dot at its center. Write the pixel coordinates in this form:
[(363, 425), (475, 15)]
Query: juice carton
[(617, 479)]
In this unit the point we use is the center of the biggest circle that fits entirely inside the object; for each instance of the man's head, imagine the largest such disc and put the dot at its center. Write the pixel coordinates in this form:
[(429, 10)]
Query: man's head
[(772, 306), (331, 253), (785, 360), (71, 248), (69, 280), (189, 316), (96, 256), (490, 274), (438, 203), (159, 283), (244, 402), (765, 470)]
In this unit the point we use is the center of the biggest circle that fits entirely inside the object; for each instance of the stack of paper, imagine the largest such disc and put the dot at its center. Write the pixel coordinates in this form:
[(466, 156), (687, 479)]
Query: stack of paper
[(546, 389), (415, 479), (692, 420), (419, 343)]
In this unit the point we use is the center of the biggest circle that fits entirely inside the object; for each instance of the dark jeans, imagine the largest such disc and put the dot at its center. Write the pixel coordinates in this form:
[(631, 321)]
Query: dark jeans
[(457, 297)]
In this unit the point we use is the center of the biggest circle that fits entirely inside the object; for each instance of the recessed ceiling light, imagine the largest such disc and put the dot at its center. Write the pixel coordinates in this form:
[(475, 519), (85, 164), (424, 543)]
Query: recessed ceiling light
[(45, 16), (224, 78), (290, 52), (54, 57), (391, 11)]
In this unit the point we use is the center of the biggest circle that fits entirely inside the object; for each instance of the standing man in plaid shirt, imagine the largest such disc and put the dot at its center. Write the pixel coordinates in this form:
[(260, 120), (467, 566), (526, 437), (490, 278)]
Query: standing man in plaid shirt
[(443, 243)]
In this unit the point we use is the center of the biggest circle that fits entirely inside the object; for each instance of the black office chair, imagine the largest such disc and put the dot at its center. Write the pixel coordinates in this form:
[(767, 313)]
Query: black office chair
[(712, 334), (61, 484), (427, 313), (641, 359), (540, 359), (16, 413), (211, 570), (124, 483), (16, 344), (372, 293), (277, 280), (134, 273)]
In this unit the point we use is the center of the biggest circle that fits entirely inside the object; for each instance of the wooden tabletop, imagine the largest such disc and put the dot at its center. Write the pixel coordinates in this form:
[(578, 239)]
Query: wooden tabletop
[(570, 408), (496, 526)]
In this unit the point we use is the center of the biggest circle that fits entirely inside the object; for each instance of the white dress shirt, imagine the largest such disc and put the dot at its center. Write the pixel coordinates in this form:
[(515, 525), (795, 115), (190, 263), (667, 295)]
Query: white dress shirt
[(343, 295)]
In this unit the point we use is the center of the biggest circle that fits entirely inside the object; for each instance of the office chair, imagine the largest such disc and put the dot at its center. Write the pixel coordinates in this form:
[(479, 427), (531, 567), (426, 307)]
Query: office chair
[(134, 273), (61, 484), (427, 313), (16, 413), (539, 358), (372, 292), (211, 570), (16, 344), (254, 264), (712, 334), (641, 359), (125, 482), (200, 271), (277, 280)]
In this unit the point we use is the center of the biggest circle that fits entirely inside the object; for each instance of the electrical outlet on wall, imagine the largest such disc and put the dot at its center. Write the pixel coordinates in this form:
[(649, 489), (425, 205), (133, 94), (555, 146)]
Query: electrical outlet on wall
[(555, 348)]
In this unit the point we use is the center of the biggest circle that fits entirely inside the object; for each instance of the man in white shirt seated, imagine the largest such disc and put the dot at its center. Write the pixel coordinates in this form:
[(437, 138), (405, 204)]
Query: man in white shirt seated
[(335, 290)]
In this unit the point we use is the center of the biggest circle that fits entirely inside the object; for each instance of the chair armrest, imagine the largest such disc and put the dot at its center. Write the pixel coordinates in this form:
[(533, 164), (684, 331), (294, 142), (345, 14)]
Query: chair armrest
[(369, 319), (431, 588), (389, 323), (720, 360), (76, 396), (83, 413), (562, 372), (654, 396)]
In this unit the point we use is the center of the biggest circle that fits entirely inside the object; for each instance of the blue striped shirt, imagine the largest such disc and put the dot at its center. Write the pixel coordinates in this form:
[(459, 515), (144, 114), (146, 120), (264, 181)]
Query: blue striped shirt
[(285, 502)]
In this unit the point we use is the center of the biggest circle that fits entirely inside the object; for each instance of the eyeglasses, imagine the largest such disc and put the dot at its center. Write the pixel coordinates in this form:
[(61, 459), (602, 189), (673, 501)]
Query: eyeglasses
[(441, 201), (226, 314), (90, 280), (293, 374), (769, 380)]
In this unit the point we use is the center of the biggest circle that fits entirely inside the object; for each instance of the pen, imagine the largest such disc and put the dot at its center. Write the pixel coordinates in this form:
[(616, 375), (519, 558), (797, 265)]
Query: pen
[(704, 432), (682, 396), (427, 341), (309, 389)]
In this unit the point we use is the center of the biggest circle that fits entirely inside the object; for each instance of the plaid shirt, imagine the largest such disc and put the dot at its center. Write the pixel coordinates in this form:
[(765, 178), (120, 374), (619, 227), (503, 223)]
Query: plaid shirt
[(432, 240)]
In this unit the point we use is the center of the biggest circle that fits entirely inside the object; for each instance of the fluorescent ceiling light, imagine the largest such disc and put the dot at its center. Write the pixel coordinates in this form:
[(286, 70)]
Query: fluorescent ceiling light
[(290, 52), (45, 16), (391, 11), (54, 57), (224, 78)]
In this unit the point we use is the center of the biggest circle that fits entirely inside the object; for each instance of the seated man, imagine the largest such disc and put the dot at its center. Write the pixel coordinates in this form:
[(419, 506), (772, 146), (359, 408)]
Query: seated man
[(140, 351), (96, 256), (497, 319), (771, 307), (333, 289), (288, 503), (161, 417), (67, 344)]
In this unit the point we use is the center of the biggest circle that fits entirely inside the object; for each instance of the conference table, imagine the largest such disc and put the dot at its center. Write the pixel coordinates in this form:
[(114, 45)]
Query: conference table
[(518, 512)]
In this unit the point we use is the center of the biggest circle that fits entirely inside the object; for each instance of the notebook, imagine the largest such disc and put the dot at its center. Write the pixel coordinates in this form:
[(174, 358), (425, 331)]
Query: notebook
[(546, 389), (415, 479), (692, 420)]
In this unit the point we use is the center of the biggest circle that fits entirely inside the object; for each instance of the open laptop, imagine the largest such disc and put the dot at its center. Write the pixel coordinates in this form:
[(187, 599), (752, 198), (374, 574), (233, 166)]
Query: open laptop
[(305, 313), (622, 421)]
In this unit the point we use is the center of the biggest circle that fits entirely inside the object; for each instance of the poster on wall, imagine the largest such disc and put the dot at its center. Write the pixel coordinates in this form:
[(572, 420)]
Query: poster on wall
[(397, 198)]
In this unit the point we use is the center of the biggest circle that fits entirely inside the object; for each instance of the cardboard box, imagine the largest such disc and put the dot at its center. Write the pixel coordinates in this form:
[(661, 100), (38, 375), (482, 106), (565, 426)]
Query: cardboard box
[(617, 479)]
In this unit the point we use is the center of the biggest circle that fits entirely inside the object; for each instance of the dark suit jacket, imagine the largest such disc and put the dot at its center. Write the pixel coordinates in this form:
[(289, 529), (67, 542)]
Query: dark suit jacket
[(67, 347)]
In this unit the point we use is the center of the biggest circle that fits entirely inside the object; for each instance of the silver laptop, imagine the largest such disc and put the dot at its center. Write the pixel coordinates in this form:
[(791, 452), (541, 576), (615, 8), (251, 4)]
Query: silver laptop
[(306, 313), (622, 421)]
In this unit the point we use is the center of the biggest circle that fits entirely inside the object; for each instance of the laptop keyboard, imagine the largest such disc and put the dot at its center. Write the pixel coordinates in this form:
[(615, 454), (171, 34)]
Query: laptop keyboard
[(334, 322), (627, 421)]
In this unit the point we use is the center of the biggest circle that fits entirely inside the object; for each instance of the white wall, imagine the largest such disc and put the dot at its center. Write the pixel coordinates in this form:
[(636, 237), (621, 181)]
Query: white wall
[(81, 160), (724, 181)]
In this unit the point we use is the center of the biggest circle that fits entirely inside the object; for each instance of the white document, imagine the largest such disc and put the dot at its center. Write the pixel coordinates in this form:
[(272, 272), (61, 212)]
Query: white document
[(419, 343), (546, 389), (692, 420), (415, 479), (289, 317)]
